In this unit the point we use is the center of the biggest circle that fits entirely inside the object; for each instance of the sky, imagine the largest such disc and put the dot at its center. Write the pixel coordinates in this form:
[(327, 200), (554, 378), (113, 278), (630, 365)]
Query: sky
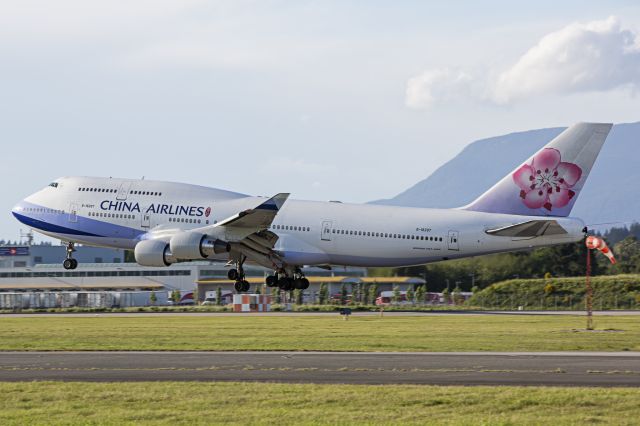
[(328, 100)]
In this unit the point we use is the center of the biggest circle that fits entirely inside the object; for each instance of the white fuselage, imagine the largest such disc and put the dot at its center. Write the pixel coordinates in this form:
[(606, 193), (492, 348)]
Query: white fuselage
[(121, 212)]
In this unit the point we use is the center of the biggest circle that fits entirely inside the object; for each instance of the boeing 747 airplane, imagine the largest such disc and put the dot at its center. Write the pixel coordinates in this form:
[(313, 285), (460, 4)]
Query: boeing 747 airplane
[(165, 222)]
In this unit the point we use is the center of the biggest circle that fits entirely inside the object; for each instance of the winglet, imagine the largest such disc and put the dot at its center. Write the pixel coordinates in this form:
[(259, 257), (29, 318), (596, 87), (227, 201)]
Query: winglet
[(274, 203)]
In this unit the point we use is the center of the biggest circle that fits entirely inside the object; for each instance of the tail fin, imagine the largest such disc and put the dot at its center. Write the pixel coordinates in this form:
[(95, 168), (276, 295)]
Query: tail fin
[(549, 182)]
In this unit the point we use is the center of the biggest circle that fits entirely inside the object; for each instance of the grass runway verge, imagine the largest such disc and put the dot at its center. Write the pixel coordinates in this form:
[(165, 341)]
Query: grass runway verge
[(263, 403), (312, 333)]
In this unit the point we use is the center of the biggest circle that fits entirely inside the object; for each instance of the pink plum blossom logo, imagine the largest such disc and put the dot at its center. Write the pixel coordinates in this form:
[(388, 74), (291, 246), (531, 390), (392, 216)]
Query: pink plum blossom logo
[(547, 181)]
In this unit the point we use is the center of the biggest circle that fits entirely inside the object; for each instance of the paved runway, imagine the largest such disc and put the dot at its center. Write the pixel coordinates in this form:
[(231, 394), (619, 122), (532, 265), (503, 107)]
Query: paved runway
[(479, 368)]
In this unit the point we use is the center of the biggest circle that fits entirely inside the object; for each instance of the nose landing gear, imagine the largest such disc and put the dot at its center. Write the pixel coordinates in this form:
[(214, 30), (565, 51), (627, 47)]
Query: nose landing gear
[(70, 262)]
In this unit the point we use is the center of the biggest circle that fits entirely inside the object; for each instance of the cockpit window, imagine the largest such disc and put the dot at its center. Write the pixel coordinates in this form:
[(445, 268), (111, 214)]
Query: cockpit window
[(54, 184)]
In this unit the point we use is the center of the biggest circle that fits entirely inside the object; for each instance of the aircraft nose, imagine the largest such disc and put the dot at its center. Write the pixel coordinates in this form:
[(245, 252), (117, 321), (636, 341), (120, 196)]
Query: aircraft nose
[(18, 210)]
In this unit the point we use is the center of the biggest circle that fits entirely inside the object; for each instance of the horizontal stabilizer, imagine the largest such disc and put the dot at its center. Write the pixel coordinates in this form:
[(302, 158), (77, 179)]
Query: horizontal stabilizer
[(532, 228)]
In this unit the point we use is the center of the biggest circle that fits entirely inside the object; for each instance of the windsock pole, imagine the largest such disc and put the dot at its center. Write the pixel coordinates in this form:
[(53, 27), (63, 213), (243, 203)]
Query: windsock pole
[(598, 244), (589, 295)]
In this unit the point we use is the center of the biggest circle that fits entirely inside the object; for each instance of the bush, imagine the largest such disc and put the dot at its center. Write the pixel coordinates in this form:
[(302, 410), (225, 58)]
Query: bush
[(609, 292)]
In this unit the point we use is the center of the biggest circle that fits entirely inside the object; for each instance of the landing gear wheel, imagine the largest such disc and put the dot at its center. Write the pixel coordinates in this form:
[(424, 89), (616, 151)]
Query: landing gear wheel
[(70, 262), (233, 274), (286, 284), (271, 281), (242, 286), (305, 284)]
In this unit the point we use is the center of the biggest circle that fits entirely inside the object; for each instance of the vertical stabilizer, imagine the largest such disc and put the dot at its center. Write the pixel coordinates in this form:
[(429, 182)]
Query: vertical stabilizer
[(549, 182)]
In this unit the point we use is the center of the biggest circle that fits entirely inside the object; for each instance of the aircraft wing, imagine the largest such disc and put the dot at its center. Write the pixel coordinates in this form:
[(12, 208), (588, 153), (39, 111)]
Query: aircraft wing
[(532, 228), (248, 231), (257, 217)]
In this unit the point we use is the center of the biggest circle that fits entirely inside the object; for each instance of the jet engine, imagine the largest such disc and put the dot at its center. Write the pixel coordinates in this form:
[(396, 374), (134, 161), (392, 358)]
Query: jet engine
[(194, 245), (153, 253)]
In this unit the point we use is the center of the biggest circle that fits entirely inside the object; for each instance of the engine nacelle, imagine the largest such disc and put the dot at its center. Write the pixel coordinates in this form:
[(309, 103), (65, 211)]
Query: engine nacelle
[(194, 245), (153, 253)]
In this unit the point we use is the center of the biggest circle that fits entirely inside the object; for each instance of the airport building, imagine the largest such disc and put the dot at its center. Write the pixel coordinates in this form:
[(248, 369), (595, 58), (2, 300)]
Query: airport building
[(31, 276), (29, 255)]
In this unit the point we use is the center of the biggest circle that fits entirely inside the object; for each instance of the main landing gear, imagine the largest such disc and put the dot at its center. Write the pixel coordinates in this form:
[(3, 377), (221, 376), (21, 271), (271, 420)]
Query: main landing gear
[(70, 262), (237, 275), (284, 282)]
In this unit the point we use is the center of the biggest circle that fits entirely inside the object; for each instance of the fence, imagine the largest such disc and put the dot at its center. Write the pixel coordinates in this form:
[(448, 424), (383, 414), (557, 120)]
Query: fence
[(97, 299), (554, 302)]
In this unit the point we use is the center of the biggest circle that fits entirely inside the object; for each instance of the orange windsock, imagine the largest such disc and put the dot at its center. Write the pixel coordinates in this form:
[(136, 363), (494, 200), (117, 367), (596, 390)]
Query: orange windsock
[(600, 245)]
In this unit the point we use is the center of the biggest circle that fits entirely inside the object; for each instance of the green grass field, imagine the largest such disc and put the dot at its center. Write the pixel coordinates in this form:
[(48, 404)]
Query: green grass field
[(324, 333), (263, 403)]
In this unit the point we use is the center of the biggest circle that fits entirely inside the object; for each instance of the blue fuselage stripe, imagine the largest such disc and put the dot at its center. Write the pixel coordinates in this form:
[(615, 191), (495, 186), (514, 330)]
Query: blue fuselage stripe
[(49, 227)]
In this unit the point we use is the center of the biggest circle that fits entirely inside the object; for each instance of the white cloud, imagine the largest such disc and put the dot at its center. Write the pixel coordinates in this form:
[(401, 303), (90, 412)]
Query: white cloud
[(433, 86), (594, 56)]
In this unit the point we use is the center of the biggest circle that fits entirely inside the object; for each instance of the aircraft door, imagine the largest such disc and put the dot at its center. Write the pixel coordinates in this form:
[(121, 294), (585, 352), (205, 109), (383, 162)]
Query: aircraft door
[(146, 220), (452, 241), (325, 234), (73, 212), (123, 191)]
